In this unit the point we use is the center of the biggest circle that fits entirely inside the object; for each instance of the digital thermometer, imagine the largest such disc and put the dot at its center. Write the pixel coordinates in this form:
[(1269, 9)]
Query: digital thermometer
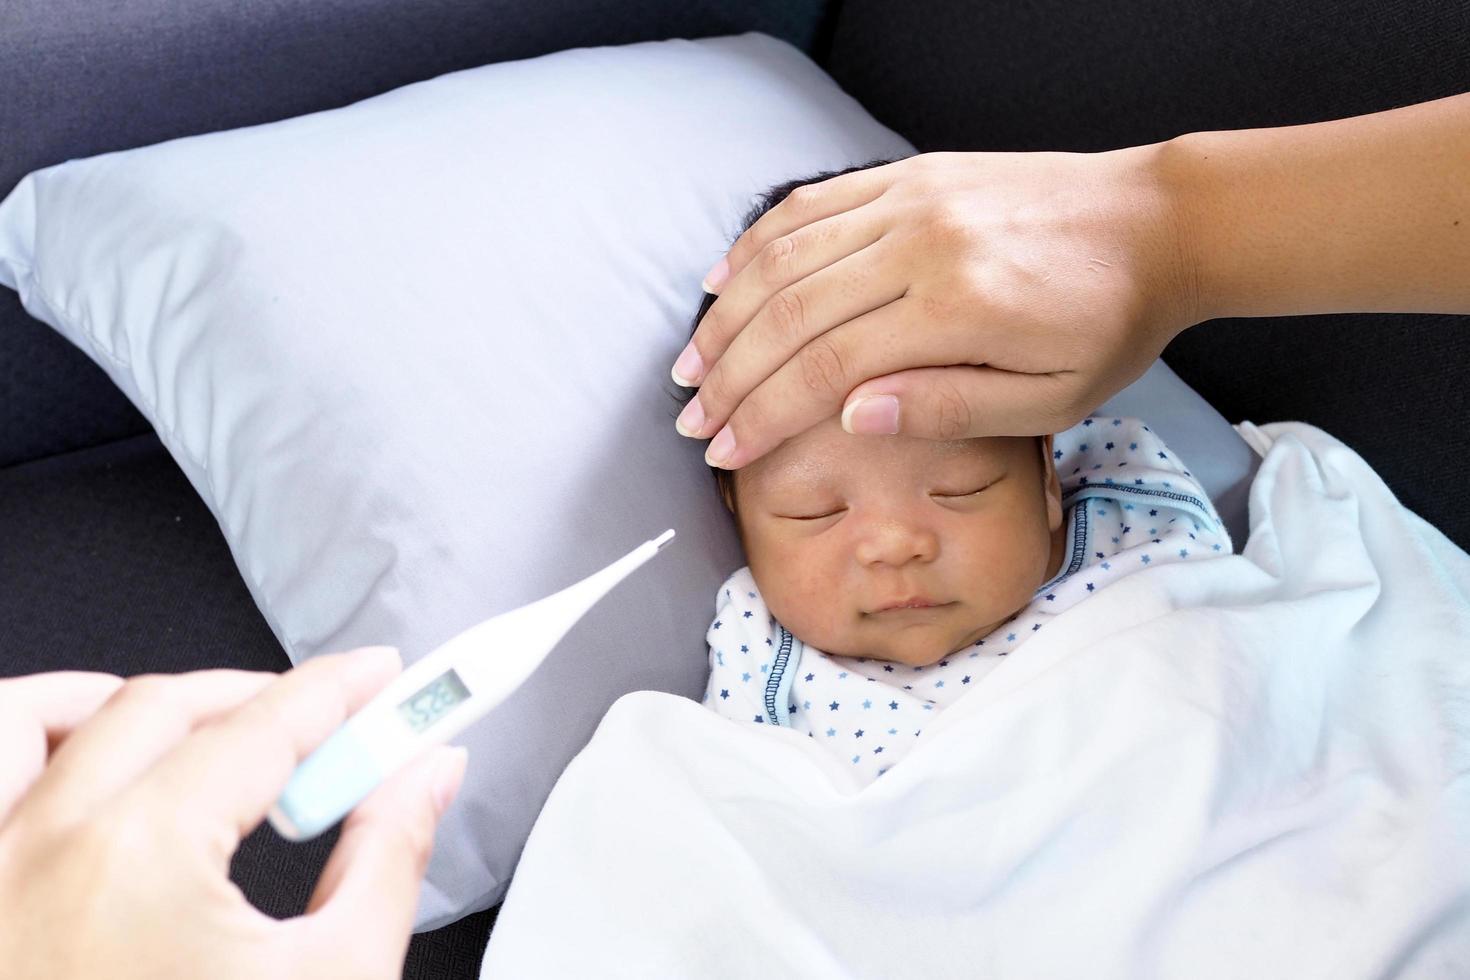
[(435, 699)]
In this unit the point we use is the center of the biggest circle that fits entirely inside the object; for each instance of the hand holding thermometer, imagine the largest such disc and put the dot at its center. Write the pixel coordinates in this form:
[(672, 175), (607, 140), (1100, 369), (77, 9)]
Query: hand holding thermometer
[(436, 698)]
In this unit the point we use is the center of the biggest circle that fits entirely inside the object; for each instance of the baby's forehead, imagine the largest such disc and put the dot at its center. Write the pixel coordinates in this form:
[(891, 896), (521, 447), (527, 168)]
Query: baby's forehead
[(817, 456)]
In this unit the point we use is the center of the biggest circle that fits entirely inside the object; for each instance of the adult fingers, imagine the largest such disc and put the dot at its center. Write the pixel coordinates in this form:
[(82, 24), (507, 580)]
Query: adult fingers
[(223, 778), (38, 711), (804, 205), (813, 384), (144, 717), (790, 259), (792, 319), (964, 401), (367, 893)]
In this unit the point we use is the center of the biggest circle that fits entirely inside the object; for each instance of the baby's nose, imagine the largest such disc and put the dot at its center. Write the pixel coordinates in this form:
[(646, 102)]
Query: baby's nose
[(893, 541)]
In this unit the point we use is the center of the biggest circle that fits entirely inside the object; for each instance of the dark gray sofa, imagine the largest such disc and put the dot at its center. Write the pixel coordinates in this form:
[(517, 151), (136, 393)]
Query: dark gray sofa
[(109, 561)]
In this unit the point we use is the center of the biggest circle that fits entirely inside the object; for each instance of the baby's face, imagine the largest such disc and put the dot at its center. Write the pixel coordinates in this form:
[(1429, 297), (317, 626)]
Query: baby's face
[(842, 532)]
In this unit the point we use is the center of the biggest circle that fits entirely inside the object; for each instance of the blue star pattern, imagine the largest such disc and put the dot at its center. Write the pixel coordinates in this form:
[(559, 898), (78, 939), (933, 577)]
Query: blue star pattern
[(787, 683)]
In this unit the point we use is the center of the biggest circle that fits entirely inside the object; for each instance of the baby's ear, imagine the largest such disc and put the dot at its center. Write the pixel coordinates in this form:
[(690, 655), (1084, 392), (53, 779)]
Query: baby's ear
[(1053, 485)]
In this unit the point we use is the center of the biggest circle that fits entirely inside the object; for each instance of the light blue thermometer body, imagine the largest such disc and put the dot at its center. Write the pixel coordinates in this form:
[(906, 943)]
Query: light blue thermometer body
[(437, 698)]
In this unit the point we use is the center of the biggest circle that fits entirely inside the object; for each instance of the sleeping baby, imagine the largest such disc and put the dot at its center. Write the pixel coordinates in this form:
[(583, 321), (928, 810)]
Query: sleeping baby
[(888, 574)]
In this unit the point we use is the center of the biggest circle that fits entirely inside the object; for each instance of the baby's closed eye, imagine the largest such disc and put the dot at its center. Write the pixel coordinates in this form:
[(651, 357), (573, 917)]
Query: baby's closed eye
[(812, 513), (962, 493), (795, 510)]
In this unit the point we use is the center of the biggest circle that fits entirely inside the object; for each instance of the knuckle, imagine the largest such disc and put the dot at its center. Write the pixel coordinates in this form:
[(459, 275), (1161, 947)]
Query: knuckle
[(712, 324), (924, 181), (753, 417), (747, 247), (778, 261), (802, 199), (952, 415), (787, 312), (823, 368), (947, 223), (715, 393)]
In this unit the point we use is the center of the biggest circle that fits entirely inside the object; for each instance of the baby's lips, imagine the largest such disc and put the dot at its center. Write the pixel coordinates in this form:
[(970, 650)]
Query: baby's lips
[(911, 603)]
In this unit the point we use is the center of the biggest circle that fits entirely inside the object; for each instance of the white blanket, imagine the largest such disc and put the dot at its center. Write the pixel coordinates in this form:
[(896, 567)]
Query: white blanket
[(1246, 767)]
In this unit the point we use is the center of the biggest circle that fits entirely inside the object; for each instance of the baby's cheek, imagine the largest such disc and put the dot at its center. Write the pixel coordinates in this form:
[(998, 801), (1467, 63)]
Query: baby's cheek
[(802, 593), (998, 562)]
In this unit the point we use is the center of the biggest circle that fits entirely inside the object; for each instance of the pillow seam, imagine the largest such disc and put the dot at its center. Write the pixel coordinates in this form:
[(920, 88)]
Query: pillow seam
[(166, 434)]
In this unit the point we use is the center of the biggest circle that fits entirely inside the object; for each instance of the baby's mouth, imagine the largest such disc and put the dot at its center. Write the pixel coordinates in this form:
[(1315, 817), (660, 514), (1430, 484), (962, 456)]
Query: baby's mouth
[(911, 605)]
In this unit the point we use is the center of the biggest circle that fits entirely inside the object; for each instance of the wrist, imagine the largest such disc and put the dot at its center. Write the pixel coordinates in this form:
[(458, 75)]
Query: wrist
[(1179, 172), (1246, 245), (1166, 232)]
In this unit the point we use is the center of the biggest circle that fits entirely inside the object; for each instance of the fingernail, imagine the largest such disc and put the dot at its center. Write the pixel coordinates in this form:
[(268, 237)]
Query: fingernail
[(876, 415), (716, 277), (721, 448), (448, 776), (691, 421), (688, 367)]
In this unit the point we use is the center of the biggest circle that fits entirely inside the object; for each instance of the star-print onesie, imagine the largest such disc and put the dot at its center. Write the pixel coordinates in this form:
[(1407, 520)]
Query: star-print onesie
[(1128, 503)]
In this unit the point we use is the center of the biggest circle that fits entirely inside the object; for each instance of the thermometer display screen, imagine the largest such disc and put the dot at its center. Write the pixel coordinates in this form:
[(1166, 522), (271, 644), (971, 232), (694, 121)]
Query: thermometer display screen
[(433, 700)]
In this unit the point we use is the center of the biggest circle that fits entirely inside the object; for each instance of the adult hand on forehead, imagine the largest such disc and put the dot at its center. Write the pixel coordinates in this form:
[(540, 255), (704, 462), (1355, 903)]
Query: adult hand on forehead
[(948, 295), (121, 804)]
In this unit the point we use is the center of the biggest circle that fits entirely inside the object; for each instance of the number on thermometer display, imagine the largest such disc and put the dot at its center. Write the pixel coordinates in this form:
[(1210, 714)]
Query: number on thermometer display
[(433, 700)]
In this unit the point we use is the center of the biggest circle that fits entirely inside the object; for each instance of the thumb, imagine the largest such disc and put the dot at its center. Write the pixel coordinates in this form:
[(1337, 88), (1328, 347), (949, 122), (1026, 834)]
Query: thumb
[(962, 402), (365, 899)]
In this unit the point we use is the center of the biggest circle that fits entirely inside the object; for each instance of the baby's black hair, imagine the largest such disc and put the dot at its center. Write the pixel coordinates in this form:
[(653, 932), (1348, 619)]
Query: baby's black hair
[(725, 479)]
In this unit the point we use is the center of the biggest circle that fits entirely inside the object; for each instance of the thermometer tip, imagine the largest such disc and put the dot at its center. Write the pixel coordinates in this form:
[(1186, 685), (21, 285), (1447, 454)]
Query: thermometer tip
[(663, 539)]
